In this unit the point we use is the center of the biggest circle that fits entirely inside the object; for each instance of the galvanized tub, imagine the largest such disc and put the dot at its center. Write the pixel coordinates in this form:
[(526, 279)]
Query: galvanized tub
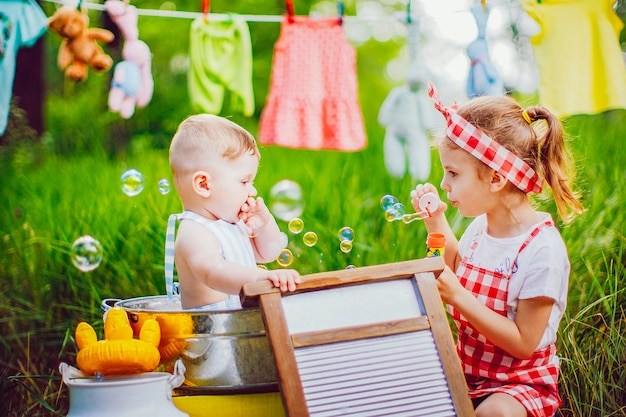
[(221, 350)]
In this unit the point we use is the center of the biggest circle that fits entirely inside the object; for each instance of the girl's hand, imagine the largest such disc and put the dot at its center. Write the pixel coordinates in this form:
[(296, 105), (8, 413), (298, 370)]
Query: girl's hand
[(285, 279), (255, 213), (450, 289), (419, 191)]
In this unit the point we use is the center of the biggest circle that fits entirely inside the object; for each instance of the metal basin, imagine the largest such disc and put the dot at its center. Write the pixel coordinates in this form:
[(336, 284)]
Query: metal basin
[(225, 350)]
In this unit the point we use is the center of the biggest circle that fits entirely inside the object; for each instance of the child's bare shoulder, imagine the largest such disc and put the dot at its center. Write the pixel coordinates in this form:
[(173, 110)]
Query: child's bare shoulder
[(192, 236)]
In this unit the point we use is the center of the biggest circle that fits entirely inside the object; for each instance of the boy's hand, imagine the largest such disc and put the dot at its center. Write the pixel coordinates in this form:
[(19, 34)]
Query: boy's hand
[(285, 279), (419, 191), (255, 213)]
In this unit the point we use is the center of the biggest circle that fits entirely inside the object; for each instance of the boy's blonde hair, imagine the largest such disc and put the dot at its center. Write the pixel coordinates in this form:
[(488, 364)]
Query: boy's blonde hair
[(540, 146), (202, 136)]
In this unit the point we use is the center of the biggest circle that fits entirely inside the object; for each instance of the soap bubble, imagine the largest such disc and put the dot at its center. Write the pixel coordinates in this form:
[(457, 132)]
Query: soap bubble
[(391, 215), (296, 225), (350, 267), (164, 186), (387, 201), (395, 212), (309, 239), (286, 200), (345, 246), (261, 266), (86, 253), (285, 258), (132, 182), (346, 233), (399, 207)]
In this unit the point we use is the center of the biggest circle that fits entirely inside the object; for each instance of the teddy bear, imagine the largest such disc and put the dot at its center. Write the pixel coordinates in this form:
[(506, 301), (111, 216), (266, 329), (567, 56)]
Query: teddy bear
[(483, 78), (79, 49), (132, 84)]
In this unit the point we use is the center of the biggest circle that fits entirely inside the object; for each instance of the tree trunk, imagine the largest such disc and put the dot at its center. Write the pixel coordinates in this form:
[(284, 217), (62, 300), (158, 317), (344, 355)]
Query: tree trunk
[(29, 85)]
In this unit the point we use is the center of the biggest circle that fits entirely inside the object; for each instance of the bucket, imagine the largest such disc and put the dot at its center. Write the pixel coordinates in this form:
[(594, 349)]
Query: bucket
[(223, 351), (139, 395)]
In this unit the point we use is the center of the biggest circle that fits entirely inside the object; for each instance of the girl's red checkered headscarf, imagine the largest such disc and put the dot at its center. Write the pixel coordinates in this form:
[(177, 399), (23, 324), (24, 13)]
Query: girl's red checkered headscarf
[(471, 139)]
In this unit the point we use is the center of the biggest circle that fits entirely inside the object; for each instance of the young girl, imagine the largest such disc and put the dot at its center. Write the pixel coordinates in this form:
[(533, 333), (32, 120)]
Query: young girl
[(510, 288)]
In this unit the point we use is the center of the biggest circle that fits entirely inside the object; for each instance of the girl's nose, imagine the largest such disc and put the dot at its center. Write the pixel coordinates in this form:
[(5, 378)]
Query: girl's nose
[(442, 184), (253, 191)]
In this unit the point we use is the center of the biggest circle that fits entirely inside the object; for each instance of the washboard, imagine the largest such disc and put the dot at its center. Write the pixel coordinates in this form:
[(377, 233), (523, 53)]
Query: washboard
[(369, 341)]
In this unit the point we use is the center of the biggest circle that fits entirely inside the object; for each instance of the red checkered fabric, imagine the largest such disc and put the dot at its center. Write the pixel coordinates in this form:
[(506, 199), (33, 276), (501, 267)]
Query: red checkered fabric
[(489, 369), (472, 140)]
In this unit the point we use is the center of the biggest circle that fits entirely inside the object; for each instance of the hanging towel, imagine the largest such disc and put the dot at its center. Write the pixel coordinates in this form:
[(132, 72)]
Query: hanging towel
[(578, 56), (21, 24), (313, 99), (220, 67)]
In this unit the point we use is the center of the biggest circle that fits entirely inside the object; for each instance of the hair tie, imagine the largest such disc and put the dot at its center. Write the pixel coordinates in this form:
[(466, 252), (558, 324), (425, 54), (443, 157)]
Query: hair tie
[(526, 116)]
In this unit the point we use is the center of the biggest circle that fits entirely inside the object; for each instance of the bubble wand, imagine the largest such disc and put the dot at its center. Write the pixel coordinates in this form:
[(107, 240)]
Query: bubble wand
[(427, 203)]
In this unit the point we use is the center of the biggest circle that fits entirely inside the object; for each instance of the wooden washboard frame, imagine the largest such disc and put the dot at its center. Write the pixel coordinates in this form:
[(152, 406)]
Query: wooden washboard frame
[(368, 341)]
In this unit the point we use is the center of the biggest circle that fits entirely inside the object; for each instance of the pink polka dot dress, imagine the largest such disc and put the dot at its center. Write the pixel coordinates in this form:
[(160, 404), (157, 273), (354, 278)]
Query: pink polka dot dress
[(313, 99)]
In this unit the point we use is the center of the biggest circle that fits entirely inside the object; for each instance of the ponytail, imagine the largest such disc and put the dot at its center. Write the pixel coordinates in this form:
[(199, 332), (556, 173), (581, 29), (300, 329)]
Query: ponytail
[(554, 163)]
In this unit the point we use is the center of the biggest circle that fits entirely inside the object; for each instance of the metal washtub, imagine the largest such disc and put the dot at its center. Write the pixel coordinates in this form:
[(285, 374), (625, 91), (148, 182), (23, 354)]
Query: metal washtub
[(222, 350)]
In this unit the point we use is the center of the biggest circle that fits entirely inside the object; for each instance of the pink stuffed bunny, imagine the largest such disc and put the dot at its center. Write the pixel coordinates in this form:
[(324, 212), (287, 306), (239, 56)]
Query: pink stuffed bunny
[(132, 85)]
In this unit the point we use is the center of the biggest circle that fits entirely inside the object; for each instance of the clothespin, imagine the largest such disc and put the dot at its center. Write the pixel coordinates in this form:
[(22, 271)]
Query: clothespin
[(206, 6), (290, 10), (484, 3), (79, 6), (340, 10), (408, 12)]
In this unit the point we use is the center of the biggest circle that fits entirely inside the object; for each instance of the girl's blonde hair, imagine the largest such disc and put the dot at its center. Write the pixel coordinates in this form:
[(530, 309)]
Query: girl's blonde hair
[(542, 146), (202, 136)]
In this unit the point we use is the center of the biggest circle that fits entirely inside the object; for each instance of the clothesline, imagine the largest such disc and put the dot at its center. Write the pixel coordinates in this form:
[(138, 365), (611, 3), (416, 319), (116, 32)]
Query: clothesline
[(398, 16), (221, 16)]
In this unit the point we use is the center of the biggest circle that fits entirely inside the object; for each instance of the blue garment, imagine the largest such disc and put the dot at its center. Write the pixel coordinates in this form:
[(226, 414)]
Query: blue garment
[(132, 78), (483, 78), (26, 23)]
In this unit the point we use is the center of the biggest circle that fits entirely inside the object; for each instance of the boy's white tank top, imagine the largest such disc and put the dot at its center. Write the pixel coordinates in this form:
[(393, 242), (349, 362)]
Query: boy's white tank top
[(235, 243)]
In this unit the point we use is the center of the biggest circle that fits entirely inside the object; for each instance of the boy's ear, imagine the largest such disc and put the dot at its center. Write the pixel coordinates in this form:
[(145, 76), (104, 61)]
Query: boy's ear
[(201, 183), (498, 181)]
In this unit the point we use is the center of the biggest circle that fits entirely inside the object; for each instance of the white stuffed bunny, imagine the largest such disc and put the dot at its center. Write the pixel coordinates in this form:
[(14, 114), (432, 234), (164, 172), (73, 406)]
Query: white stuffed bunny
[(132, 85), (407, 114)]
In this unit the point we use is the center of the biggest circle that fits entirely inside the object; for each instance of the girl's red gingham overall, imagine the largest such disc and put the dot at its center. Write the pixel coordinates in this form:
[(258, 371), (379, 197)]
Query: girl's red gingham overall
[(489, 369)]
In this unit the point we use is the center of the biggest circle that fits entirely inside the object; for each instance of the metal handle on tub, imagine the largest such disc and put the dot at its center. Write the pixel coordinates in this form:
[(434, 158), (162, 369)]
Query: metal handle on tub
[(177, 378)]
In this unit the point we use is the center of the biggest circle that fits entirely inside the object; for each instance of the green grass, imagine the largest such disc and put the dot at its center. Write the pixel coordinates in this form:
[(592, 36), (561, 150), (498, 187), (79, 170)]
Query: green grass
[(49, 204)]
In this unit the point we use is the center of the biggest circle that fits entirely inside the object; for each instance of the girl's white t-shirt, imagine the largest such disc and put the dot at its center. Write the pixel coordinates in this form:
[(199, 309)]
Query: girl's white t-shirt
[(541, 270)]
